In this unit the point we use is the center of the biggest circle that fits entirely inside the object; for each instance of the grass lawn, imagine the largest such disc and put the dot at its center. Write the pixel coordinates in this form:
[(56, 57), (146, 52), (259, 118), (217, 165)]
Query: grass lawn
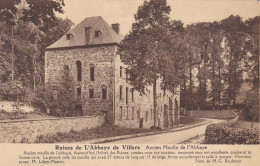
[(190, 120), (224, 114)]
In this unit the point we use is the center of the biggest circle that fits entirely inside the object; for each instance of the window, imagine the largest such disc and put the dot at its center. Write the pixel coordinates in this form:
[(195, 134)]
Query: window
[(121, 113), (104, 92), (132, 92), (121, 92), (92, 72), (66, 70), (79, 69), (151, 113), (121, 70), (68, 36), (91, 92), (146, 116), (78, 91), (126, 77), (133, 113), (97, 33), (126, 113), (55, 93), (126, 95)]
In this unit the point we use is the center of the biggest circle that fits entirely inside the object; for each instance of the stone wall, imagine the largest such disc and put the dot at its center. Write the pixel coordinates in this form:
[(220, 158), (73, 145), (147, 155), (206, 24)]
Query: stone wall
[(101, 58), (27, 130), (107, 72)]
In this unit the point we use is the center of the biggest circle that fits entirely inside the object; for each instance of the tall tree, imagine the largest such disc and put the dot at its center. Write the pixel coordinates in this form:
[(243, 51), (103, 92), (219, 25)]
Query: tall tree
[(233, 28), (197, 46), (215, 51), (144, 49), (42, 12), (252, 47), (25, 32)]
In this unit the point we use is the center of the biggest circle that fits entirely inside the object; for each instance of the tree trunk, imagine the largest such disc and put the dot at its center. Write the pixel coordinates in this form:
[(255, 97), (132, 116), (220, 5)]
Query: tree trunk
[(185, 92), (214, 83), (12, 45), (200, 89), (155, 101), (34, 75), (190, 81), (219, 84), (190, 88)]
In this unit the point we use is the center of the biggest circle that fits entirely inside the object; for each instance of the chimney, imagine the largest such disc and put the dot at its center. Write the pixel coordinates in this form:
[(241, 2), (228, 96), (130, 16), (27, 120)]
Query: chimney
[(116, 27), (88, 35)]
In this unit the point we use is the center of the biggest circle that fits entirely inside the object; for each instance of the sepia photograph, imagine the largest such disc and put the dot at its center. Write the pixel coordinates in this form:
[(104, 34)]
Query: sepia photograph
[(175, 80), (131, 72)]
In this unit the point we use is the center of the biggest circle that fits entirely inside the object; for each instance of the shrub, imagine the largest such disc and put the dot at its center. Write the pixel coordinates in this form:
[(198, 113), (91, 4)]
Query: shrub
[(155, 128), (59, 98), (223, 134), (251, 109)]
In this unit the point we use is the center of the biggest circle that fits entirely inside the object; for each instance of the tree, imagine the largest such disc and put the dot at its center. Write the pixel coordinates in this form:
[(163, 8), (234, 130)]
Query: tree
[(252, 47), (25, 33), (215, 63), (234, 40), (60, 98), (25, 49), (197, 50), (145, 48), (251, 102), (40, 12)]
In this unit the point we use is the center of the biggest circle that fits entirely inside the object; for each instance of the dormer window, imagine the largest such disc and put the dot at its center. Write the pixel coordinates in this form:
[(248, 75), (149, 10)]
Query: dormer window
[(69, 36), (97, 33)]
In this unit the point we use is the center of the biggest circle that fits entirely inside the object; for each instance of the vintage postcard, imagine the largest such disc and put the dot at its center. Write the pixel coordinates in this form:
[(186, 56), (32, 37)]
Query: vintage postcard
[(112, 82)]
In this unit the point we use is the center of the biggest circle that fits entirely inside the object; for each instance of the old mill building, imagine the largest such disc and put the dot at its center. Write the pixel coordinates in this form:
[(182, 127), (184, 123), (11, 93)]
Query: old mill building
[(89, 52)]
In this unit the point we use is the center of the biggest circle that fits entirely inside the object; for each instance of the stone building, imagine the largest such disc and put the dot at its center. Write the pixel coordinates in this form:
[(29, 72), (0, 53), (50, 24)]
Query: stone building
[(89, 52)]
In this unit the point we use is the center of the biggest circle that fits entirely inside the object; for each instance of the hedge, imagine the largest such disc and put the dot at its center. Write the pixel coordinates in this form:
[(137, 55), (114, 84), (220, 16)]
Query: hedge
[(223, 134)]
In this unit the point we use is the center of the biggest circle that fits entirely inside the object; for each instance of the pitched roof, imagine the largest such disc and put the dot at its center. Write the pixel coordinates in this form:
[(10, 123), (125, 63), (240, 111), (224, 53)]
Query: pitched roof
[(108, 35)]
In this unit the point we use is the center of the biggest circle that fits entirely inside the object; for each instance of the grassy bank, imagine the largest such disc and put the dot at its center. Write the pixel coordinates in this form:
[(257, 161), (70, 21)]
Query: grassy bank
[(88, 134), (190, 120), (224, 114), (105, 131)]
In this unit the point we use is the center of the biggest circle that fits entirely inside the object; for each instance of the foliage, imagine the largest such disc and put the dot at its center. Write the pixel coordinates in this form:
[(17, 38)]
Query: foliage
[(252, 46), (58, 99), (14, 91), (235, 53), (223, 134), (251, 110), (155, 128), (40, 12), (148, 49), (220, 57), (142, 49), (35, 27)]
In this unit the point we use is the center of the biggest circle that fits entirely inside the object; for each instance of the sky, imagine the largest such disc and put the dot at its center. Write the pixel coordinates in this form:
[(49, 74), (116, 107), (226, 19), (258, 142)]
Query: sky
[(188, 11)]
